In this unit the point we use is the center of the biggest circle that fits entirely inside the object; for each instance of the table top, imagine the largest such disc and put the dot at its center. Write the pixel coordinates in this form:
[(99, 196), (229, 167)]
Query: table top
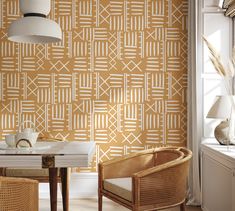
[(48, 154), (55, 148)]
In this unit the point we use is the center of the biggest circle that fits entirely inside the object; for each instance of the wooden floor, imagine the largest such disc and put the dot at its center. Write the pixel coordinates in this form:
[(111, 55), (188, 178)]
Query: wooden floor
[(91, 205)]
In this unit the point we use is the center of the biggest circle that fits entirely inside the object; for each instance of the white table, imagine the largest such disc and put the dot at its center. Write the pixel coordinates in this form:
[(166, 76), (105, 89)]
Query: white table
[(51, 155)]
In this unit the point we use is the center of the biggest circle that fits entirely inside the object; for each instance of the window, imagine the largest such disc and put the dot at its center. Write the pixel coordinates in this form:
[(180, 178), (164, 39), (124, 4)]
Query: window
[(218, 30)]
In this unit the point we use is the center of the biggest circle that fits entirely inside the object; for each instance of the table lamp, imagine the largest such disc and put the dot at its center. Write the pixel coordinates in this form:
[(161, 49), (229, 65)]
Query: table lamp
[(223, 109)]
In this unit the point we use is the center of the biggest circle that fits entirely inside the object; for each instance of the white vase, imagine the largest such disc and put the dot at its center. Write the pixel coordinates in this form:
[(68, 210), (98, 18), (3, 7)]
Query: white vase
[(224, 132)]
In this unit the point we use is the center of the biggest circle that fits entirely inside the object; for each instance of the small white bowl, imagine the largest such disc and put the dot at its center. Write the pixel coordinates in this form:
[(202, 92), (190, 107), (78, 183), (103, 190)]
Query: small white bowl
[(10, 140)]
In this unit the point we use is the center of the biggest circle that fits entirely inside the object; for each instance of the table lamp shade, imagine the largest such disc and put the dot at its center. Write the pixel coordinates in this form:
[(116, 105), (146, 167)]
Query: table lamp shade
[(221, 109)]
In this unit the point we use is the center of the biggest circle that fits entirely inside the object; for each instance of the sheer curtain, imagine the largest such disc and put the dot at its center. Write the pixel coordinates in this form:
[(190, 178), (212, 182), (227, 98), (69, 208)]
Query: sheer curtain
[(204, 83), (194, 107)]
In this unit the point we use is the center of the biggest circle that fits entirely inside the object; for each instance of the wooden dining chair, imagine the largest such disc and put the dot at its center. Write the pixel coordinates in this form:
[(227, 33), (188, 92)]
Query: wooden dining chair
[(149, 180), (18, 194)]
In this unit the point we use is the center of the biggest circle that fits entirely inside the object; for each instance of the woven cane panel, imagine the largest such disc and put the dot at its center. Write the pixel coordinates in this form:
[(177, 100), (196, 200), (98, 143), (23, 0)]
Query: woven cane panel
[(164, 188), (18, 195), (118, 77)]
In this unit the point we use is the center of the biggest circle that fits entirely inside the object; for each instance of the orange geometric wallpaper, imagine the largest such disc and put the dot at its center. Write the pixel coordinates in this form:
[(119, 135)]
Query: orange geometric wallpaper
[(118, 77)]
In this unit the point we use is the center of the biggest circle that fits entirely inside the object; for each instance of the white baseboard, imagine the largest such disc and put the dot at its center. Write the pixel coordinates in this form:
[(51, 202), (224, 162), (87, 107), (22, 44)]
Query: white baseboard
[(82, 185)]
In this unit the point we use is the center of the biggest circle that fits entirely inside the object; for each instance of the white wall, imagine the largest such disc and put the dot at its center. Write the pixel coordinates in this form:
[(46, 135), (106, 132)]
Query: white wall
[(82, 185)]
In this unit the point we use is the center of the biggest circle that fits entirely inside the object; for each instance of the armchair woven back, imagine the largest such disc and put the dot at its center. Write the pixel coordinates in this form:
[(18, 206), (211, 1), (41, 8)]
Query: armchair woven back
[(130, 164), (18, 194), (164, 155)]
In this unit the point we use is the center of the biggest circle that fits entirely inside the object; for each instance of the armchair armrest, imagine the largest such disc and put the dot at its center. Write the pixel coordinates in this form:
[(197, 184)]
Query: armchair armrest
[(21, 181), (161, 185)]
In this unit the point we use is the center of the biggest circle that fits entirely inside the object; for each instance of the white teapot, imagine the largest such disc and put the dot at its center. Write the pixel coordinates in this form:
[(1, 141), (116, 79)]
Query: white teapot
[(26, 137)]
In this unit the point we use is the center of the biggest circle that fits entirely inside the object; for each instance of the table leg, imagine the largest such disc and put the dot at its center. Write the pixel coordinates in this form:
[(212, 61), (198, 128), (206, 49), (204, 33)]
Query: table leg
[(2, 172), (65, 188), (53, 188)]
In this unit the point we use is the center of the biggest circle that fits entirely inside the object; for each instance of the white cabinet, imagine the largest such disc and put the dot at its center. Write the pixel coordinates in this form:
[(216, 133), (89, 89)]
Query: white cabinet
[(218, 176)]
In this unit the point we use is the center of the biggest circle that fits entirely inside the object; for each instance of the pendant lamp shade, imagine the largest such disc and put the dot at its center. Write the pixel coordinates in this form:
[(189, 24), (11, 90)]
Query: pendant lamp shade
[(34, 27), (34, 30)]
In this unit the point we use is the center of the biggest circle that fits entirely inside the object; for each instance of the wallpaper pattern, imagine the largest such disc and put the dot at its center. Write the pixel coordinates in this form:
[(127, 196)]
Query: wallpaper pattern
[(118, 77)]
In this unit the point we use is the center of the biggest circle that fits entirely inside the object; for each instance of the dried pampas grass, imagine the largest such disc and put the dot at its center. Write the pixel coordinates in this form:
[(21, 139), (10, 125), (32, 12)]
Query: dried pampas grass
[(227, 73)]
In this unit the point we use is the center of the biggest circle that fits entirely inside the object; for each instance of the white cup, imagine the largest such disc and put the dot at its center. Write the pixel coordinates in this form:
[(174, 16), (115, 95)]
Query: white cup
[(10, 140)]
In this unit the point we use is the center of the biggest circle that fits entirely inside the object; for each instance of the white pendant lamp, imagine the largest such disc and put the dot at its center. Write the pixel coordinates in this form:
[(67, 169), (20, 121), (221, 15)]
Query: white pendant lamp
[(34, 27)]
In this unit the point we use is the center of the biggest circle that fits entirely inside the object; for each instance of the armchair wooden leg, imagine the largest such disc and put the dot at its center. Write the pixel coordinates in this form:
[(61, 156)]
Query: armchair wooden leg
[(182, 207), (100, 201)]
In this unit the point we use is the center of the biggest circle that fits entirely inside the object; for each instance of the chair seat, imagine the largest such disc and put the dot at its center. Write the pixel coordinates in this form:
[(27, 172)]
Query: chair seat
[(120, 186), (13, 172)]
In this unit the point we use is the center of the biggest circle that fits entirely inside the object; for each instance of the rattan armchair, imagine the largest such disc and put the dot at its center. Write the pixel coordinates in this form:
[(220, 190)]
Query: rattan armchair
[(17, 194), (149, 180)]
